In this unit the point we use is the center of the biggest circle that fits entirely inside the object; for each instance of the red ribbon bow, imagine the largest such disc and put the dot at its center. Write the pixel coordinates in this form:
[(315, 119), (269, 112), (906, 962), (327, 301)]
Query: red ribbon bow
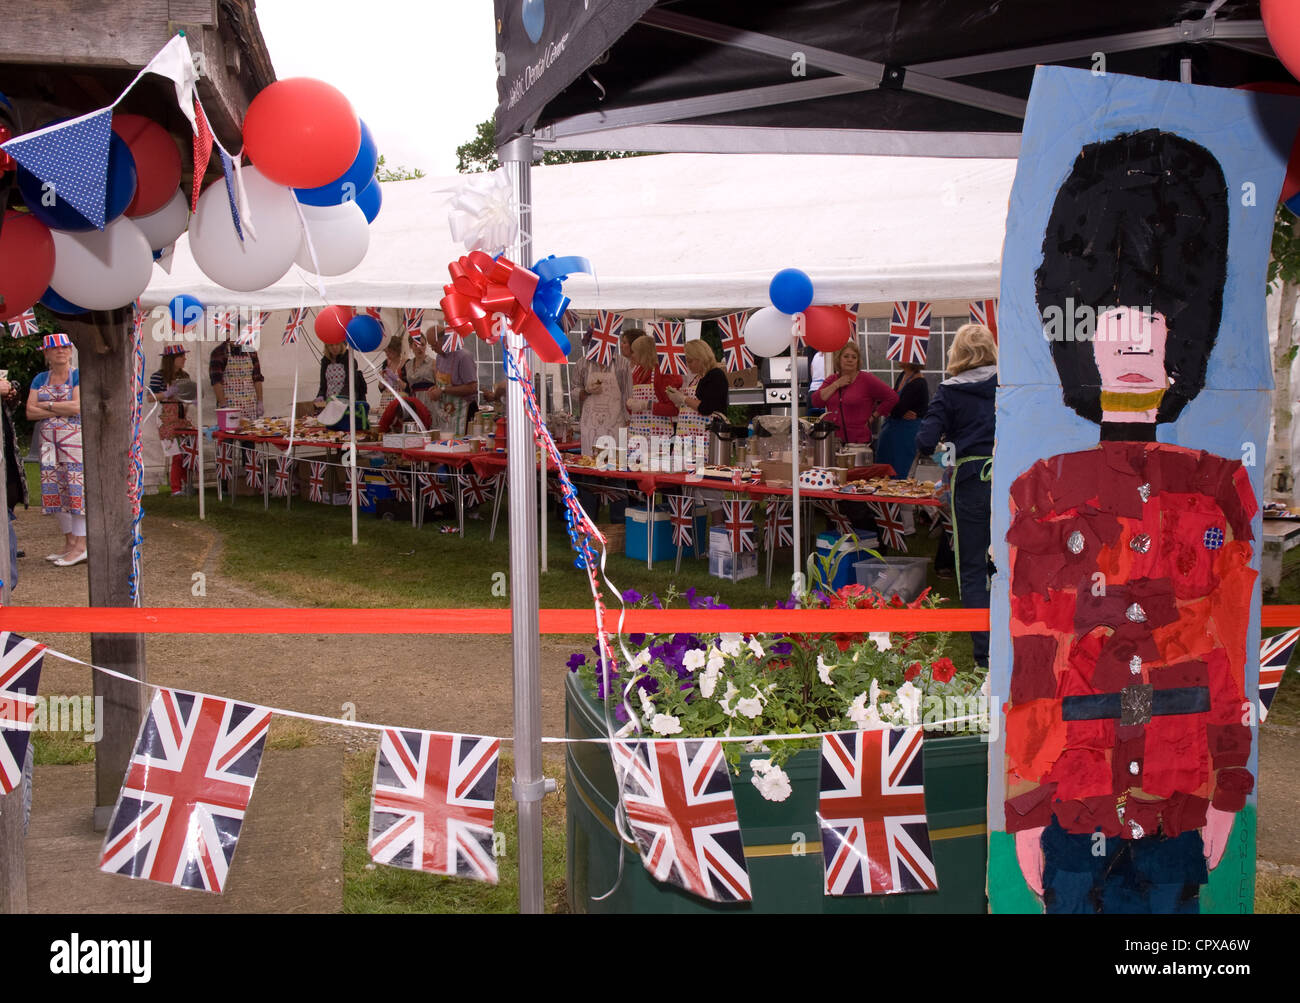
[(482, 287)]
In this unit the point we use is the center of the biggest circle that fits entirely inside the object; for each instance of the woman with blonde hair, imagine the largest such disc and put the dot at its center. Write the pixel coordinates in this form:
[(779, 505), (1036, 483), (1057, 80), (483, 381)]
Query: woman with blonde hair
[(704, 393), (852, 397), (962, 412), (650, 410)]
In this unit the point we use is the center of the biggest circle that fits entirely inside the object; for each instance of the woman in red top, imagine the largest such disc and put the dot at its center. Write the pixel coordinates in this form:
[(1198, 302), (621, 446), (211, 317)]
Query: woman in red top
[(851, 397)]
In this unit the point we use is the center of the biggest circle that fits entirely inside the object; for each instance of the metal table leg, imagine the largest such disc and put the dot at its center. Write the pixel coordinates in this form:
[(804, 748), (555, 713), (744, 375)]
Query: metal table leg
[(496, 510)]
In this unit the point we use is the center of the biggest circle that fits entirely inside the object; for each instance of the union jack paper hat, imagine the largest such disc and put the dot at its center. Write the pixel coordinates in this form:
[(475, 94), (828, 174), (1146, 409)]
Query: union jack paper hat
[(174, 348), (56, 341)]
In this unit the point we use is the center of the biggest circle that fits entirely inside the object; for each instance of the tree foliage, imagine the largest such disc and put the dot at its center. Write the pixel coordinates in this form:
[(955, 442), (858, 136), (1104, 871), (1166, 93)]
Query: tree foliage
[(399, 173), (480, 153), (1284, 264)]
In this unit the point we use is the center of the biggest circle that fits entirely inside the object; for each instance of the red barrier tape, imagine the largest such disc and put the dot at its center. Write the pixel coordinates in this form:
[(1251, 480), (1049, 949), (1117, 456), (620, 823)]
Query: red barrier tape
[(183, 620)]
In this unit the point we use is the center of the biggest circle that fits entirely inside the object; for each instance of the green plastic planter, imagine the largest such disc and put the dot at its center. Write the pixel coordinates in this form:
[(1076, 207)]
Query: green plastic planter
[(782, 842)]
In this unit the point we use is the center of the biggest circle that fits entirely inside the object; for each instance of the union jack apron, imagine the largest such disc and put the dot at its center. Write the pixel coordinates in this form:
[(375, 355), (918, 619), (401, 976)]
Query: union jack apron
[(238, 384), (63, 477), (692, 427)]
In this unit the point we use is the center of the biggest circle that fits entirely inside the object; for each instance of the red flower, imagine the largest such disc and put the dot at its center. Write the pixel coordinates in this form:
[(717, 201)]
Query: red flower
[(851, 591), (943, 670), (912, 672)]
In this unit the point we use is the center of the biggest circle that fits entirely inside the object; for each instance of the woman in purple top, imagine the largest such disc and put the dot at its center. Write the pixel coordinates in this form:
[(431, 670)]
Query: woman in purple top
[(851, 397)]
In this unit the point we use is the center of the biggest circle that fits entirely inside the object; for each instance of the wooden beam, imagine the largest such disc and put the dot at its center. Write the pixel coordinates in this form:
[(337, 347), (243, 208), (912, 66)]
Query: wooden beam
[(104, 362), (84, 32)]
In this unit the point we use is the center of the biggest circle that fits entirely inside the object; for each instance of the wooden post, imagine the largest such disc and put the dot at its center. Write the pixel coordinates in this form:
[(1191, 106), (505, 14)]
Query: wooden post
[(105, 362)]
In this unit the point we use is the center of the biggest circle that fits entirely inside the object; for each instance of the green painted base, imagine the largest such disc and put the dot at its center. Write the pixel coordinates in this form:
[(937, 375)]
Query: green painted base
[(1231, 888)]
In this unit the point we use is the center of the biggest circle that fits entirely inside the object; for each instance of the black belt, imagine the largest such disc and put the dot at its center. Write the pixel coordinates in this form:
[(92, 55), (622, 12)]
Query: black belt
[(1136, 704)]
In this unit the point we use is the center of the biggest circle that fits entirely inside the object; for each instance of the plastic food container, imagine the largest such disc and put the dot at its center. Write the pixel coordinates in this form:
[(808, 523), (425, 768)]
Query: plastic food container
[(228, 419)]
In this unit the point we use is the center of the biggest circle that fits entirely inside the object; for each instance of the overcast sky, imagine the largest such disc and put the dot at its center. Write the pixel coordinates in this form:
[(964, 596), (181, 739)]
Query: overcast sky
[(421, 73)]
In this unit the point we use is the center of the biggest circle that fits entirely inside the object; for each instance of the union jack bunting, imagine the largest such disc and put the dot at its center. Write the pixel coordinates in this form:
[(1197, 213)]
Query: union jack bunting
[(909, 332), (1274, 653), (397, 482), (985, 312), (453, 340), (225, 464), (433, 802), (252, 468), (889, 520), (943, 518), (189, 451), (316, 481), (357, 482), (778, 525), (842, 524), (296, 325), (225, 323), (252, 329), (670, 343), (738, 518), (183, 799), (871, 811), (20, 675), (24, 325), (604, 337), (283, 476), (606, 493), (414, 321), (476, 490), (679, 805), (432, 492), (682, 515), (735, 353)]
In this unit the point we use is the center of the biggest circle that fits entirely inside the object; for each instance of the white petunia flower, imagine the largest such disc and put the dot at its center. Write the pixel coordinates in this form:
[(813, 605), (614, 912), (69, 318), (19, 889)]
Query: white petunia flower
[(881, 639), (824, 670), (727, 697), (730, 644), (874, 698), (755, 647), (665, 724), (709, 681), (647, 705), (716, 659), (694, 659), (857, 712), (751, 707), (640, 660), (888, 712), (909, 701), (772, 781)]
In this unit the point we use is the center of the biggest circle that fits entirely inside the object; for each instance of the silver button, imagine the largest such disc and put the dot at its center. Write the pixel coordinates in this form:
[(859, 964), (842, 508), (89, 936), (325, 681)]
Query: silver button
[(1141, 543), (1135, 665), (1136, 614), (1075, 542), (1133, 768), (1145, 491), (1138, 831)]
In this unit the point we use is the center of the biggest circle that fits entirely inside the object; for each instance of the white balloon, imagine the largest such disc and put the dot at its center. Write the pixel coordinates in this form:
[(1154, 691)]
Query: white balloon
[(768, 332), (340, 237), (250, 264), (164, 226), (102, 269)]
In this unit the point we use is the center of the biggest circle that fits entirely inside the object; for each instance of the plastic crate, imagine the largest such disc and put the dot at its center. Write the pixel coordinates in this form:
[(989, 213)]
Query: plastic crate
[(900, 576), (663, 549), (829, 544), (720, 565)]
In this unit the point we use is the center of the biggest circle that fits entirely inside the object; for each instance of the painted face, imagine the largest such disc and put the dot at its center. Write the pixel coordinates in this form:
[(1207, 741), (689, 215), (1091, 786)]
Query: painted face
[(1130, 351)]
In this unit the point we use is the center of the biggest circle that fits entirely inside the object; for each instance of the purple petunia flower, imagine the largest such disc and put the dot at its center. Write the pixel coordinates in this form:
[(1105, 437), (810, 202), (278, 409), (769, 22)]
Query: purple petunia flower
[(781, 648), (575, 660), (654, 600), (631, 595), (636, 640)]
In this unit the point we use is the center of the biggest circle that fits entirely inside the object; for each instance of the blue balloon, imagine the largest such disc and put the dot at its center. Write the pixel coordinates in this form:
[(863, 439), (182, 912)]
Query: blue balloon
[(371, 199), (61, 216), (58, 304), (534, 18), (348, 186), (186, 311), (365, 333), (791, 291)]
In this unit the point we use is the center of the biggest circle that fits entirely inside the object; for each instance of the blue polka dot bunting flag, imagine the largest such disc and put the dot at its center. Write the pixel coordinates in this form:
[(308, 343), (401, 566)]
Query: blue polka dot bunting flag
[(73, 157)]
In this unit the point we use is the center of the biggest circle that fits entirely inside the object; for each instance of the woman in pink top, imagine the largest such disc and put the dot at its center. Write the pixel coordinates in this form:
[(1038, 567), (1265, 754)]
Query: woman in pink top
[(851, 396)]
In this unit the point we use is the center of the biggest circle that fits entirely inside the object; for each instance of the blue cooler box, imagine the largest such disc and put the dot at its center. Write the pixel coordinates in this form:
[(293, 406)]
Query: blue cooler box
[(663, 549), (844, 572)]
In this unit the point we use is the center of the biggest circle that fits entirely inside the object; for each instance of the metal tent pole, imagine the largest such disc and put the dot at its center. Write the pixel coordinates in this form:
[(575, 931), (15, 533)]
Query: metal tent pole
[(529, 786), (352, 439), (797, 576), (198, 426)]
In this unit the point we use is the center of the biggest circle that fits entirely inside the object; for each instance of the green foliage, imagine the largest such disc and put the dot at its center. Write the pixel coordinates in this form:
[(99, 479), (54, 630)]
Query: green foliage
[(399, 173), (480, 153), (1284, 264)]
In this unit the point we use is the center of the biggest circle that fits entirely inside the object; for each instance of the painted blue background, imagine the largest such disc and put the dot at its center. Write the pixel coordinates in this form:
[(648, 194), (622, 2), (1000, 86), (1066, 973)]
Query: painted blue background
[(1251, 136)]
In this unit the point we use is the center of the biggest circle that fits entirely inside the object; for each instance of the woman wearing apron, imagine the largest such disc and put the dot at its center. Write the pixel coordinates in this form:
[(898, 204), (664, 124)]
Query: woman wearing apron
[(640, 401), (236, 379), (55, 399), (897, 445), (704, 394), (601, 392), (171, 418)]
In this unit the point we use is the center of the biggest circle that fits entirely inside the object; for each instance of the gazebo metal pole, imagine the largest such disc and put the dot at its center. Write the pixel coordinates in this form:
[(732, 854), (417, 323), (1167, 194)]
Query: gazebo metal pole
[(529, 786), (352, 440), (198, 425), (797, 576)]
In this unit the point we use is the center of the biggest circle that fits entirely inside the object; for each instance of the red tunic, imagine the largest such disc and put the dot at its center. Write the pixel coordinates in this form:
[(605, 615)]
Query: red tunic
[(1130, 604)]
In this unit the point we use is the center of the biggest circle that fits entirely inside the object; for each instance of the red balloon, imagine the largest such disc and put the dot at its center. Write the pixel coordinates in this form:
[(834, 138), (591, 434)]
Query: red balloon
[(332, 324), (826, 328), (26, 263), (301, 132), (157, 162), (1282, 25)]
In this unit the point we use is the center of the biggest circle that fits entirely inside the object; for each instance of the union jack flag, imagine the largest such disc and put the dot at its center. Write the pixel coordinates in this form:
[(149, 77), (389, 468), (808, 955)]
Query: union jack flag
[(670, 342), (738, 519), (433, 803), (432, 492), (252, 469), (476, 490), (357, 483), (20, 675), (604, 337), (453, 340), (24, 325), (985, 312), (679, 805), (296, 325), (682, 516), (943, 517), (843, 525), (189, 451), (252, 331), (735, 353), (183, 799), (397, 481), (225, 464), (875, 837), (316, 481), (606, 493), (778, 525), (414, 322), (369, 311), (225, 323), (889, 520), (1274, 653), (283, 476), (909, 332)]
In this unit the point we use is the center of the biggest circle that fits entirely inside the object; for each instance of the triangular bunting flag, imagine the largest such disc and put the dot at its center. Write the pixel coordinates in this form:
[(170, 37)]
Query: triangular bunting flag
[(20, 675), (228, 168), (72, 158), (202, 151)]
